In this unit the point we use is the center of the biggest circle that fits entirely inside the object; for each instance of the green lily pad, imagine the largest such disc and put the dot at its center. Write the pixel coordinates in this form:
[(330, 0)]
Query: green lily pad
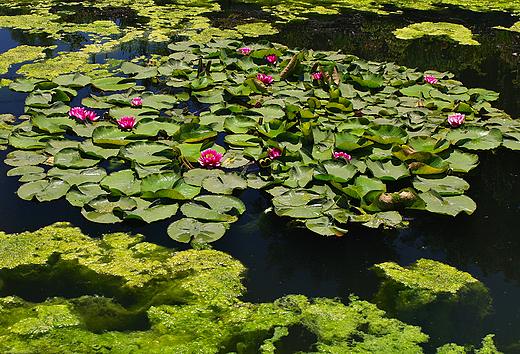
[(112, 84), (152, 211), (387, 134), (224, 183), (103, 209), (44, 190), (74, 177), (122, 182), (447, 185), (390, 170), (335, 170), (110, 136), (324, 226), (476, 138), (190, 230), (214, 208), (72, 158), (448, 205), (147, 152), (84, 193), (24, 158)]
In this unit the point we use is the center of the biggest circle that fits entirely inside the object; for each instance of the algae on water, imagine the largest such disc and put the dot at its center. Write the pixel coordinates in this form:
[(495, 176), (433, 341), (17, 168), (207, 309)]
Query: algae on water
[(121, 295), (455, 32), (433, 295)]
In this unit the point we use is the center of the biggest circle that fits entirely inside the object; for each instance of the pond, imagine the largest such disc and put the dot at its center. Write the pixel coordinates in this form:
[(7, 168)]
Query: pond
[(285, 258)]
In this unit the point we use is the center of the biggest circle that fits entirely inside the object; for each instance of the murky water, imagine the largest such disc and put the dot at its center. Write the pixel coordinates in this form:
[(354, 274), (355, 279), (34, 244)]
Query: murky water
[(283, 260)]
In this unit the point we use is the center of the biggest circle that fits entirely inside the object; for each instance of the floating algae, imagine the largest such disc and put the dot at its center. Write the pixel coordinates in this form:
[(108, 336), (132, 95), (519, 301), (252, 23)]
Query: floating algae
[(455, 32), (121, 295), (431, 294)]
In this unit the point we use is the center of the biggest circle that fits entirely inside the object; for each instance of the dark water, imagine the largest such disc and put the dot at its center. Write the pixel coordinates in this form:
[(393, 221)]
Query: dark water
[(284, 260)]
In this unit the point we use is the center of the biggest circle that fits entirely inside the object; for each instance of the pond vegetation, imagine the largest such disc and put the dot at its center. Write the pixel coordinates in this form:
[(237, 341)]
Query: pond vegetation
[(185, 128)]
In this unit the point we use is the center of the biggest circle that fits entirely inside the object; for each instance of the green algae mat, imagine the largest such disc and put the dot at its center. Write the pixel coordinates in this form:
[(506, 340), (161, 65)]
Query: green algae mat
[(120, 294)]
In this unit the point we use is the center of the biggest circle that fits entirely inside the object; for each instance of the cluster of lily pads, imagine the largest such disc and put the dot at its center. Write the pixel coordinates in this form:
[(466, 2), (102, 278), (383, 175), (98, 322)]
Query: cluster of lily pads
[(331, 137)]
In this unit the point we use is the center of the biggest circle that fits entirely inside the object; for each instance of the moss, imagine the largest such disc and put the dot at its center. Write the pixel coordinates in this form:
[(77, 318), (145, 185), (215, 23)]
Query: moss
[(455, 32)]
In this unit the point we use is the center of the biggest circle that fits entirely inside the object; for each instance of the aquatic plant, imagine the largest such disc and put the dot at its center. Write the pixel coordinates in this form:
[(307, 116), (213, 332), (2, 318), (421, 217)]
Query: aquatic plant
[(384, 116), (133, 296), (137, 102), (456, 119), (265, 79), (431, 294), (126, 123), (339, 154), (274, 152), (271, 58), (430, 79), (210, 158), (244, 50)]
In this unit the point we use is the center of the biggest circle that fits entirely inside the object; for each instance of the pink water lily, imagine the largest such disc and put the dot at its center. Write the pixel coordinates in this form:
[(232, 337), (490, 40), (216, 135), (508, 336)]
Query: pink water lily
[(271, 58), (274, 153), (82, 114), (126, 123), (430, 79), (91, 115), (344, 155), (210, 158), (258, 104), (265, 79), (77, 112), (137, 102), (244, 50), (317, 76), (456, 119)]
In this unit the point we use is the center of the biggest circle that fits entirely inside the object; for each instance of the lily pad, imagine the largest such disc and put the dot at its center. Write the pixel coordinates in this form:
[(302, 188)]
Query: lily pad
[(190, 230)]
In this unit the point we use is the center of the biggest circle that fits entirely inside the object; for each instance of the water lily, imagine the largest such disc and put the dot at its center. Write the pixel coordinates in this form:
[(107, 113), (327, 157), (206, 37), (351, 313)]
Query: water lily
[(244, 50), (91, 115), (338, 155), (317, 76), (258, 104), (266, 79), (430, 79), (271, 58), (126, 122), (456, 119), (77, 112), (210, 158), (274, 153), (137, 102)]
